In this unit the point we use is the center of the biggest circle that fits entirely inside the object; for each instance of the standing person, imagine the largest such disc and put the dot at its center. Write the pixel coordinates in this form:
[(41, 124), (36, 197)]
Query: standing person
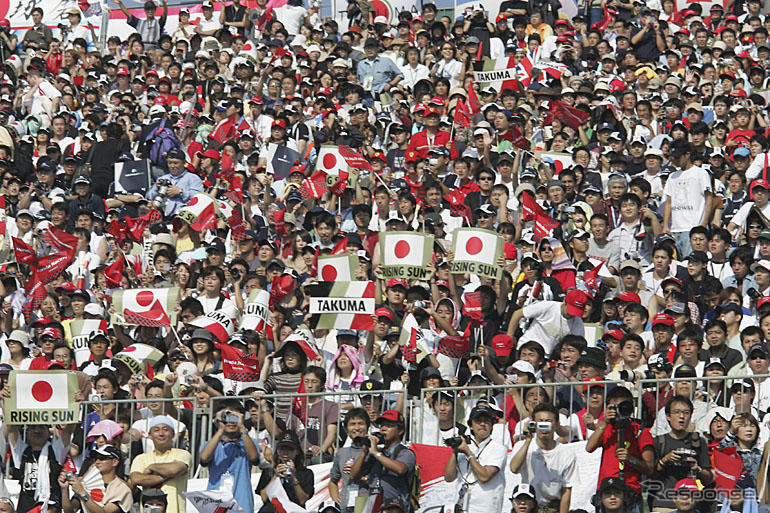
[(548, 467), (288, 465), (377, 74), (479, 462), (391, 468), (689, 196), (342, 488), (117, 496), (231, 450), (319, 430), (165, 467), (40, 35), (150, 28)]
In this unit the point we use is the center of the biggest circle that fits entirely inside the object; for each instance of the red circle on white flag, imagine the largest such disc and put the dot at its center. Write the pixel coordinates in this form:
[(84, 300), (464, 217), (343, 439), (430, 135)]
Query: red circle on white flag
[(329, 273), (144, 298), (42, 391), (97, 494), (330, 160), (192, 201), (473, 246), (402, 249), (129, 349)]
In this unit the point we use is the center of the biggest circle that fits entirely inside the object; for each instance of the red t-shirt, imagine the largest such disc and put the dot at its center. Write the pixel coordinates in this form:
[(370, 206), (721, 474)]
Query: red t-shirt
[(610, 466)]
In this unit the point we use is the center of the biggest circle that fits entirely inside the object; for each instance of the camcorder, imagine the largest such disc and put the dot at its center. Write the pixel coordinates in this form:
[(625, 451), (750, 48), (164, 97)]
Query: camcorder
[(361, 442), (538, 427), (455, 441)]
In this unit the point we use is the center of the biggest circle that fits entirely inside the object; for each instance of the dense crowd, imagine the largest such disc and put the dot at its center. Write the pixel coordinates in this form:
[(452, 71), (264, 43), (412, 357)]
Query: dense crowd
[(155, 187)]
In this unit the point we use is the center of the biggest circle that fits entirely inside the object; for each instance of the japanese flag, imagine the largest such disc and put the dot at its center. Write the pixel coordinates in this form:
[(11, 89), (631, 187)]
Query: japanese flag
[(476, 245), (403, 249), (330, 161), (280, 500), (41, 391), (335, 268)]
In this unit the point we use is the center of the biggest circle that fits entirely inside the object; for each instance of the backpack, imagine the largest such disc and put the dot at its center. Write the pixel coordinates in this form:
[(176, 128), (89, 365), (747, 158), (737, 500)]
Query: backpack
[(159, 142), (415, 480)]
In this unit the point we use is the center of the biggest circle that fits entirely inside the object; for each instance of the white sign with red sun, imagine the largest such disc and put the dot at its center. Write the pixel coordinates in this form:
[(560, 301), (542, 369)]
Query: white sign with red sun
[(477, 252), (338, 267), (41, 397), (405, 254)]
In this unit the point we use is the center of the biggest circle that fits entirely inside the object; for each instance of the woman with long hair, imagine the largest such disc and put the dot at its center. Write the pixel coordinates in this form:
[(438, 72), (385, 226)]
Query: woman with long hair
[(203, 352), (346, 373)]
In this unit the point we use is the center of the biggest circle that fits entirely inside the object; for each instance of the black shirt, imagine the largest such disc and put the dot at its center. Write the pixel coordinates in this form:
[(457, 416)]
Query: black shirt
[(27, 476), (306, 482)]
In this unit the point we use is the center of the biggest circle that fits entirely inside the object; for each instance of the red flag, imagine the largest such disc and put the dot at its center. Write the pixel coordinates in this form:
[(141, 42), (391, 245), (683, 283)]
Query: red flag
[(529, 207), (314, 186), (454, 347), (206, 220), (519, 140), (24, 253), (236, 190), (155, 317), (36, 292), (119, 230), (237, 366), (472, 306), (149, 371), (263, 19), (281, 287), (544, 225), (224, 131), (354, 159), (340, 247), (342, 182), (49, 267), (113, 273), (136, 227), (462, 114), (237, 226), (59, 239), (591, 278), (606, 19), (280, 224), (730, 469), (570, 116), (473, 101), (299, 402)]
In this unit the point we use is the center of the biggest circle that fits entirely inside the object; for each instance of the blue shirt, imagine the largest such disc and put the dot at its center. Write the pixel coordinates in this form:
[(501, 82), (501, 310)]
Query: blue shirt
[(190, 185), (381, 70), (231, 457)]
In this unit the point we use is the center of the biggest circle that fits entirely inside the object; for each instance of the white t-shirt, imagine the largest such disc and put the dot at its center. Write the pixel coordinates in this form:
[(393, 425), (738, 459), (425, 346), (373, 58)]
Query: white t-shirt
[(212, 24), (44, 94), (291, 17), (548, 325), (548, 472), (686, 191), (483, 497)]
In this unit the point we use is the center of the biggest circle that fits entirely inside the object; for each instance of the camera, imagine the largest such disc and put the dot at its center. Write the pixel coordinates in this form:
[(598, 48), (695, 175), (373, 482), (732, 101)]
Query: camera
[(230, 419), (419, 304), (455, 441), (70, 475), (162, 185), (631, 376), (360, 442), (235, 273), (139, 379), (95, 397), (189, 379), (623, 412)]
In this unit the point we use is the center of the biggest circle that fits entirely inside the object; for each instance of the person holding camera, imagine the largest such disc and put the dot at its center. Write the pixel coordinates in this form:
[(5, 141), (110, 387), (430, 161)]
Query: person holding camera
[(342, 488), (392, 463), (289, 467), (681, 454), (478, 461), (181, 185), (235, 455), (549, 467), (628, 449), (117, 496), (154, 501)]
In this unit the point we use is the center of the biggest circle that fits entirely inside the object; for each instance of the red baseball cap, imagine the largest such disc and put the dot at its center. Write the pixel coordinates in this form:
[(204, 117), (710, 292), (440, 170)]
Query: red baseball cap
[(761, 301), (280, 123), (613, 333), (210, 153), (384, 312), (442, 283), (510, 251), (436, 100), (123, 71), (419, 108), (662, 318), (411, 156), (51, 332), (576, 302), (395, 282), (594, 378), (759, 182), (731, 17), (379, 156), (671, 279), (45, 321), (258, 100), (432, 111), (687, 484), (629, 297), (391, 416), (502, 344)]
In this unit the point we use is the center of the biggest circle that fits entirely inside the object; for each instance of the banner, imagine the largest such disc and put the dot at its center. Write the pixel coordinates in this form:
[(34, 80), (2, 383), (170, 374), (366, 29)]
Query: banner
[(338, 267), (303, 337), (218, 323), (145, 307), (238, 367), (256, 311), (498, 73), (560, 160), (200, 213), (78, 334), (41, 397), (342, 305), (405, 255), (137, 356), (132, 177), (476, 252), (214, 501)]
